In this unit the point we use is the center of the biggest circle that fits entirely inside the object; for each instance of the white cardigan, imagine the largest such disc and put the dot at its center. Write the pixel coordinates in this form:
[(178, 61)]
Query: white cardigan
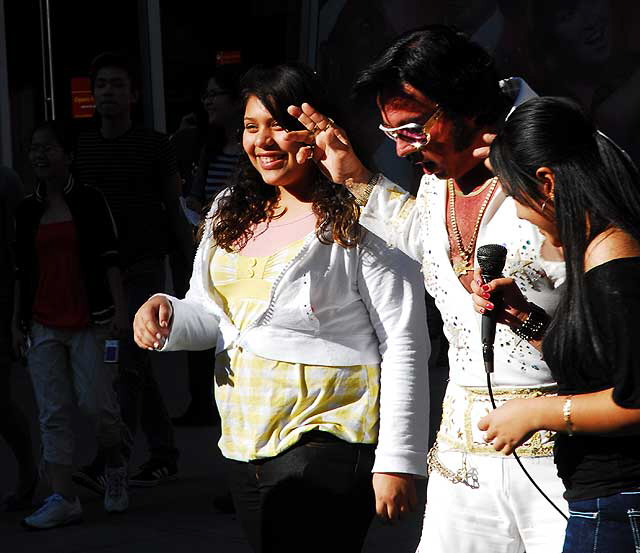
[(333, 306)]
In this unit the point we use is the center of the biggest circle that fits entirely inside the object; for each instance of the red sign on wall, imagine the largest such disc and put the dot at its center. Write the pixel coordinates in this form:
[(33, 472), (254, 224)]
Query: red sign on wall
[(227, 57), (82, 102)]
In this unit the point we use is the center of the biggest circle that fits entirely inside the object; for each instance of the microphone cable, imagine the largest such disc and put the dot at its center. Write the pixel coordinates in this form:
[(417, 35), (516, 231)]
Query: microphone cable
[(517, 458), (491, 259)]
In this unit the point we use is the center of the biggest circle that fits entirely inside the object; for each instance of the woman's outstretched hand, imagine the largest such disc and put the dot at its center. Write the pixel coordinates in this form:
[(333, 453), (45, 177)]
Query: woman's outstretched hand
[(327, 145), (510, 425), (152, 323)]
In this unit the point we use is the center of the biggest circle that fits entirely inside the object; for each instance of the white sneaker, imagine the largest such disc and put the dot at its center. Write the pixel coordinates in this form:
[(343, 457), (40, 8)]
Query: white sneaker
[(56, 511), (116, 493)]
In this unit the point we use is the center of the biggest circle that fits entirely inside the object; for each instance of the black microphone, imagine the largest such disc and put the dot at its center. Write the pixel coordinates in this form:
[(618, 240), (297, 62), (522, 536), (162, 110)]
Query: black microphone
[(491, 258)]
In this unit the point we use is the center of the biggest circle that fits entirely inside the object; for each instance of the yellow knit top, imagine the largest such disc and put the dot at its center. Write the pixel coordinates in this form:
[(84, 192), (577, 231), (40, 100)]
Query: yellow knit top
[(266, 405)]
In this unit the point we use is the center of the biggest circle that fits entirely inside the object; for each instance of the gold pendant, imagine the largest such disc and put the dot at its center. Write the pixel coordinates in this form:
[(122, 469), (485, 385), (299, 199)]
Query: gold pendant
[(461, 267)]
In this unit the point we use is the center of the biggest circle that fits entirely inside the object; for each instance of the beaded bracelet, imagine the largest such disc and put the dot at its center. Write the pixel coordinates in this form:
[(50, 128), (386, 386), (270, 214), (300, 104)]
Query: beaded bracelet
[(534, 326)]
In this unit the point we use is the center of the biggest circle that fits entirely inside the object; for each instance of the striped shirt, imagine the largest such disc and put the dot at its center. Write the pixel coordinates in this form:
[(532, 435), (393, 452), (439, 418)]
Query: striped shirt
[(130, 171), (221, 167), (266, 405)]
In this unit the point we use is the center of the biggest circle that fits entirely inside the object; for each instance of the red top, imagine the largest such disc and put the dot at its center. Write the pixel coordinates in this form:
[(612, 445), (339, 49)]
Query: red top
[(61, 297)]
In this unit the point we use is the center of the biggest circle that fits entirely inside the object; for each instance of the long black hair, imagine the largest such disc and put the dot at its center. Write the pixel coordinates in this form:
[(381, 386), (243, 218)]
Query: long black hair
[(250, 200), (596, 187)]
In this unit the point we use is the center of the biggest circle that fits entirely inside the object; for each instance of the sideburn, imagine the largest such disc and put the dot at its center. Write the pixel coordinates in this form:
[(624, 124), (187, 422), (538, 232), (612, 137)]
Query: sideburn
[(463, 134)]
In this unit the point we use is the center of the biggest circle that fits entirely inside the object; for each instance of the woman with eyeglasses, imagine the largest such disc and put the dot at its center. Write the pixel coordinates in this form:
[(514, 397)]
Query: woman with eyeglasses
[(320, 374), (583, 193), (69, 300), (204, 176), (220, 150)]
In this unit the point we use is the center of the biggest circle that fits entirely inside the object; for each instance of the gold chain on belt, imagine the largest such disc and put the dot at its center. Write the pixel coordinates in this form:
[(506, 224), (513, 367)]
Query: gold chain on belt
[(464, 475)]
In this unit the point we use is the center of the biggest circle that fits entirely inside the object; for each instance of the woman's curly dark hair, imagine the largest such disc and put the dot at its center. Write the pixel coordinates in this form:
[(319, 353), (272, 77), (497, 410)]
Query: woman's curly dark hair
[(249, 200)]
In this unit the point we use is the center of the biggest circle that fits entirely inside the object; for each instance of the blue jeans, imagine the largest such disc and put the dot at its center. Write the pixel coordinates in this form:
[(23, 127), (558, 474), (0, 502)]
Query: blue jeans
[(67, 369), (605, 524)]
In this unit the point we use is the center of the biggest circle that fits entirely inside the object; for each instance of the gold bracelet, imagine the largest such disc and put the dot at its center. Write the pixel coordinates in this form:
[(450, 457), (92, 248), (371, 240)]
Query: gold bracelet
[(362, 197), (566, 415)]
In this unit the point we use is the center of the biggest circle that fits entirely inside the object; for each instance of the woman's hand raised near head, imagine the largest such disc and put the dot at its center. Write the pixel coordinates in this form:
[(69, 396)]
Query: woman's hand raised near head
[(484, 151), (152, 323), (327, 144)]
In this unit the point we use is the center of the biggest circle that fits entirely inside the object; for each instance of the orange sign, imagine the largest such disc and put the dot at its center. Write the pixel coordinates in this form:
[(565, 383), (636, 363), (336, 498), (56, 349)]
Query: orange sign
[(227, 57), (82, 102)]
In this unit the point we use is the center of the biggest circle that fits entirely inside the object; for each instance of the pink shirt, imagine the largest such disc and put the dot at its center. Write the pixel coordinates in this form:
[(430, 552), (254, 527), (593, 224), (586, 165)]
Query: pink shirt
[(268, 238)]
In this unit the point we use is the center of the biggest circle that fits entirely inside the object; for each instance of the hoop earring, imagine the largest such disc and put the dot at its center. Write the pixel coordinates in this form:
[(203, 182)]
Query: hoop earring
[(544, 204)]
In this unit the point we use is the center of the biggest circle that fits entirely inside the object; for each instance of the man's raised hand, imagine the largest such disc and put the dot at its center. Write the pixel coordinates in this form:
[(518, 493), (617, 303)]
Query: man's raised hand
[(327, 144)]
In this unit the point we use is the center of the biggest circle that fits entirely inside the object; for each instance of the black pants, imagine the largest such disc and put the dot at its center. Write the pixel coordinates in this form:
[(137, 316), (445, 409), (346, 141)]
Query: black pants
[(315, 497), (141, 401), (201, 363), (14, 425)]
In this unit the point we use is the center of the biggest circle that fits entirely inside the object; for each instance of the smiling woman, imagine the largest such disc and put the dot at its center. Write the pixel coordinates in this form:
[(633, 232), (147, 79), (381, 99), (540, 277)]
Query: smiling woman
[(271, 184), (270, 153), (320, 377), (68, 288)]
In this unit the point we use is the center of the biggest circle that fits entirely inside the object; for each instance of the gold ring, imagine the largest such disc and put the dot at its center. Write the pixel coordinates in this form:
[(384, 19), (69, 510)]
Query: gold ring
[(330, 123), (316, 129)]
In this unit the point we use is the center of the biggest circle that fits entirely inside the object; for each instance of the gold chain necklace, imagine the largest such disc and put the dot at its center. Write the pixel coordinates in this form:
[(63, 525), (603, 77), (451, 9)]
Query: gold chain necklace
[(463, 265)]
